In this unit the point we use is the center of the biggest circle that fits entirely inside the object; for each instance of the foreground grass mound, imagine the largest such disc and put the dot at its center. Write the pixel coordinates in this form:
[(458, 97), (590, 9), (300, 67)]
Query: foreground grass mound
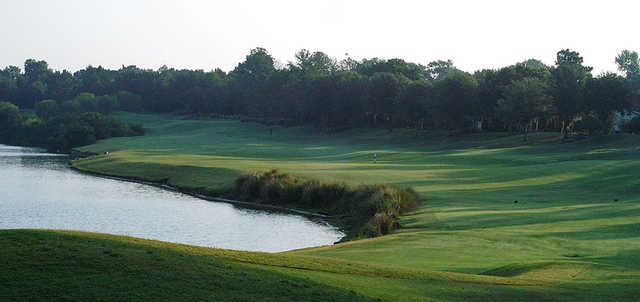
[(367, 210), (67, 266), (77, 266)]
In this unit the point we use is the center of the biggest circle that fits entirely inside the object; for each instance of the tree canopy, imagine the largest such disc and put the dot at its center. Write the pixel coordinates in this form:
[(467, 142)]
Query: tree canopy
[(318, 90)]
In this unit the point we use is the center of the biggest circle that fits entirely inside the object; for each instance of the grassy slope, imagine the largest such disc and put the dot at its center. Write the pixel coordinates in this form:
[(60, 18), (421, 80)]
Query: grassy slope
[(566, 230), (70, 266)]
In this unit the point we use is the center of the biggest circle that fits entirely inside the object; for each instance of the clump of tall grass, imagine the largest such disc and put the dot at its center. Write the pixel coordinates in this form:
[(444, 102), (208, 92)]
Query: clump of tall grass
[(366, 210)]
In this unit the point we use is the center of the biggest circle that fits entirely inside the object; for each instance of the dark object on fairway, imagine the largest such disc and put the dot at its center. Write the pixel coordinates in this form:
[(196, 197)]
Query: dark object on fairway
[(515, 201), (615, 200)]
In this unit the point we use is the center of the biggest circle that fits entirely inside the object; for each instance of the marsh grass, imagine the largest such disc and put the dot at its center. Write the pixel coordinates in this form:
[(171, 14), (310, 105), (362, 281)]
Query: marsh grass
[(367, 210)]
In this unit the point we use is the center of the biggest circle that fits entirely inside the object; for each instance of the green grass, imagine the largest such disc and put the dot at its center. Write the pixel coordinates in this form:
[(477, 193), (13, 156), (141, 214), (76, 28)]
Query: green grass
[(70, 266), (566, 238)]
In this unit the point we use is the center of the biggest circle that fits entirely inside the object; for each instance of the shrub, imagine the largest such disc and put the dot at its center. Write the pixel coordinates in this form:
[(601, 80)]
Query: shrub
[(381, 224), (371, 210), (316, 194), (407, 199), (246, 186), (588, 125), (47, 109)]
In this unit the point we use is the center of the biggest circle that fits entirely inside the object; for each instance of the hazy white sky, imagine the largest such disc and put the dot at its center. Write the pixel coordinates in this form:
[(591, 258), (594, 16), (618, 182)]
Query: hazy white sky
[(71, 34)]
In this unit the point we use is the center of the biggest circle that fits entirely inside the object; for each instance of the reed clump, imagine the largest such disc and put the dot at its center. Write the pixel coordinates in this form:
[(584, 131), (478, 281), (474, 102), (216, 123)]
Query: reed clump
[(364, 210)]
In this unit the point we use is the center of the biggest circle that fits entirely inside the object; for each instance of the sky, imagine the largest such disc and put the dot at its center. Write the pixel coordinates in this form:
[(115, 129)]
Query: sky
[(194, 34)]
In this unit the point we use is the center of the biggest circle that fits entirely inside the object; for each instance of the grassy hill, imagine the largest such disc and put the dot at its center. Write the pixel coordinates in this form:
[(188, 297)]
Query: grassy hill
[(573, 234)]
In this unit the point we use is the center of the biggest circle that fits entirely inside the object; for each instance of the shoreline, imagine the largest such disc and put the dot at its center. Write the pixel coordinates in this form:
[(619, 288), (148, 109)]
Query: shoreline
[(245, 204)]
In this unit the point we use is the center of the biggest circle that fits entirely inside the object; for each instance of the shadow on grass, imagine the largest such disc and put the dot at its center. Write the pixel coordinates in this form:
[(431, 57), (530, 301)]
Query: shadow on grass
[(619, 231), (508, 218), (629, 258), (46, 265)]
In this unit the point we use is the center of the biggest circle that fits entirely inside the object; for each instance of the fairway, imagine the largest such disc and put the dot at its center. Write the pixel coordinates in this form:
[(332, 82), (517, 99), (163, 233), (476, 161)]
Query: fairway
[(572, 235)]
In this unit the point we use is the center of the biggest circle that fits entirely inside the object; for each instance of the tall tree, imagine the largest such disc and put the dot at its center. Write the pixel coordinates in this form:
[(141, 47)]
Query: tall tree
[(386, 89), (95, 80), (9, 79), (569, 57), (568, 86), (607, 94), (9, 121), (524, 101), (438, 69), (61, 85), (456, 94), (315, 64), (47, 109), (416, 105), (34, 85), (628, 63), (250, 80)]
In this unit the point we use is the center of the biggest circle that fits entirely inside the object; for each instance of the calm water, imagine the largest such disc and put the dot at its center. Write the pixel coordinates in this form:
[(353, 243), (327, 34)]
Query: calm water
[(37, 190)]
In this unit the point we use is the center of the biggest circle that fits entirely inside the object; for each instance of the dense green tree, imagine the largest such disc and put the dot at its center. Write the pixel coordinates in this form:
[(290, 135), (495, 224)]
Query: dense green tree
[(438, 69), (257, 66), (34, 83), (83, 102), (348, 64), (9, 121), (129, 101), (492, 85), (568, 86), (61, 85), (315, 89), (32, 131), (36, 71), (47, 109), (417, 105), (571, 58), (60, 131), (106, 104), (250, 79), (95, 79), (628, 63), (534, 63), (9, 79), (525, 101), (316, 63), (456, 94), (411, 71), (386, 90), (352, 91), (606, 95)]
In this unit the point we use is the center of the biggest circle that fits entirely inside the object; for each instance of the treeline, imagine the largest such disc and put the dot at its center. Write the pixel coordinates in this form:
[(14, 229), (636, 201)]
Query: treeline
[(319, 90), (59, 128)]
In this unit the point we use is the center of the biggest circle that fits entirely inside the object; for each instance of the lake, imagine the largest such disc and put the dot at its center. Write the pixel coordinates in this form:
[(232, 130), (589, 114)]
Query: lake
[(39, 191)]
